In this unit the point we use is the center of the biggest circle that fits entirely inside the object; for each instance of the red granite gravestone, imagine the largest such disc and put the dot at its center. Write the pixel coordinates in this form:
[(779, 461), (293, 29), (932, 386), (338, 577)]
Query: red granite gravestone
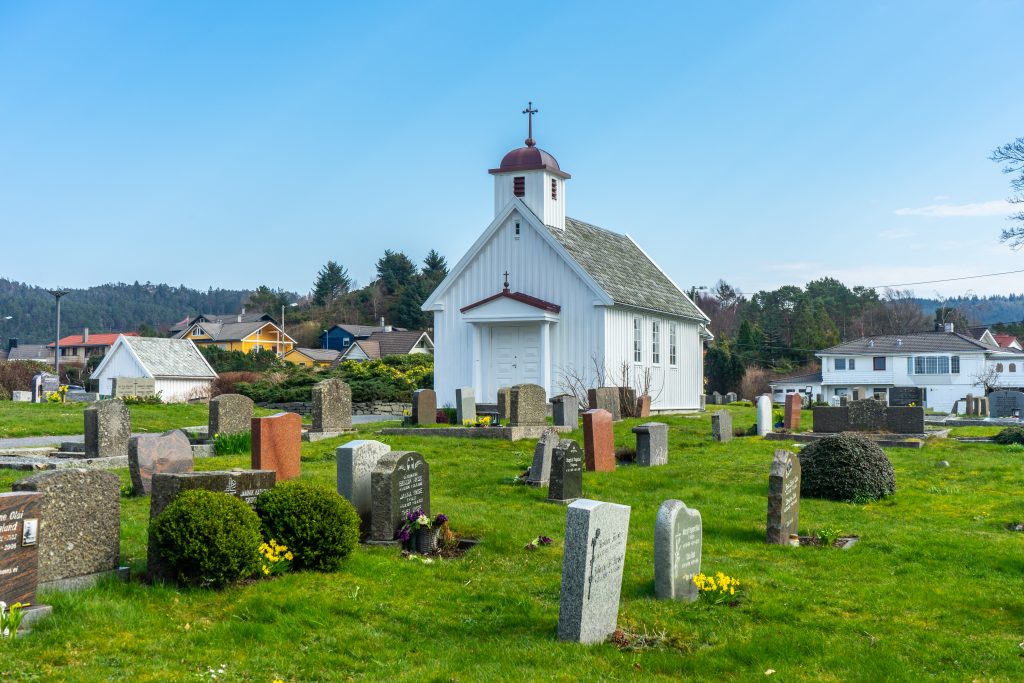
[(276, 444), (19, 546), (152, 453), (643, 406), (599, 441), (794, 402)]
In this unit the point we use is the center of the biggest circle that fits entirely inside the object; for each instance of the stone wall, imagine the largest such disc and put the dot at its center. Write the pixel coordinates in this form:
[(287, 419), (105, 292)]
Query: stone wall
[(869, 416), (830, 420), (367, 408), (904, 420)]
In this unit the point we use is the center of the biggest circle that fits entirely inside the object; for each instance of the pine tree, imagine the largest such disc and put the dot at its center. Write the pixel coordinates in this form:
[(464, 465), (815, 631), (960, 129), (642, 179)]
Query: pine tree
[(331, 282), (406, 312), (435, 268), (395, 271)]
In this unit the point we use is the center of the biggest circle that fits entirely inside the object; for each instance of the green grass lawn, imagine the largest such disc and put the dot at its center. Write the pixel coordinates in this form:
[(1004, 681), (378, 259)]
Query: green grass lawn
[(61, 419), (934, 590)]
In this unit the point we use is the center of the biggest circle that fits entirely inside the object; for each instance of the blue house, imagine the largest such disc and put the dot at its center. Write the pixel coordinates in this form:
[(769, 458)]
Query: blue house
[(340, 337)]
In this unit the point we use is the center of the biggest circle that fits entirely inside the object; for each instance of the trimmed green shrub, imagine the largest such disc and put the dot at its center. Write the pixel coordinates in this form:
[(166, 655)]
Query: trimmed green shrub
[(847, 467), (208, 538), (1010, 435), (319, 526)]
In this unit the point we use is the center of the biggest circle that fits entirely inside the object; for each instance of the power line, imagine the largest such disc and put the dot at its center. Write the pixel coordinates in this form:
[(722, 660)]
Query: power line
[(948, 279)]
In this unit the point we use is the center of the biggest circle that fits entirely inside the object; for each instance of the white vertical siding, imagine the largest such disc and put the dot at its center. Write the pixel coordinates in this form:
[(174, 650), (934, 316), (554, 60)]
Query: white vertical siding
[(673, 387), (535, 268), (537, 195), (179, 390), (119, 363)]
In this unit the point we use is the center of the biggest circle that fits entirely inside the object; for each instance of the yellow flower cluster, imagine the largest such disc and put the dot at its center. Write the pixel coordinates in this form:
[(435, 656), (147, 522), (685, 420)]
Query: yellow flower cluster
[(718, 585), (276, 557)]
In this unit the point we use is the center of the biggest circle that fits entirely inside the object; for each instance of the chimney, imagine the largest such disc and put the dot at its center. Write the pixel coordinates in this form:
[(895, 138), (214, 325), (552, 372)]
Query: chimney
[(12, 343), (85, 335), (948, 327)]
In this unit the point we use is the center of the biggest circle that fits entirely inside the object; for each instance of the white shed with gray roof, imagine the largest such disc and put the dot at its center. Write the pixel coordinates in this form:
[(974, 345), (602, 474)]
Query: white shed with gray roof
[(180, 371), (578, 301)]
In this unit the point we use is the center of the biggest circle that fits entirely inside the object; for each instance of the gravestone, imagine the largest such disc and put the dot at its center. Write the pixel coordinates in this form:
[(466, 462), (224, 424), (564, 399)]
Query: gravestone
[(858, 394), (20, 514), (867, 415), (982, 406), (152, 453), (730, 397), (904, 420), (246, 485), (764, 415), (904, 396), (566, 480), (124, 387), (703, 401), (971, 408), (843, 401), (424, 407), (1004, 403), (529, 406), (643, 406), (716, 398), (465, 405), (332, 407), (794, 403), (79, 525), (22, 396), (627, 402), (783, 497), (605, 398), (540, 470), (43, 383), (399, 484), (595, 551), (277, 443), (565, 411), (504, 403), (677, 549), (721, 426), (651, 444), (108, 426), (229, 414), (599, 441), (831, 419), (355, 463)]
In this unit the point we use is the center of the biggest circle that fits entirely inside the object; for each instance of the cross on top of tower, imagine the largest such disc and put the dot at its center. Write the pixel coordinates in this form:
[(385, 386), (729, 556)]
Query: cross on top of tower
[(506, 280), (530, 111)]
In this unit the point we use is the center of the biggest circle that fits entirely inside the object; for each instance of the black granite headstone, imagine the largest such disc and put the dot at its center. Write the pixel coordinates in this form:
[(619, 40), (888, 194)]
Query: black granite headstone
[(566, 482)]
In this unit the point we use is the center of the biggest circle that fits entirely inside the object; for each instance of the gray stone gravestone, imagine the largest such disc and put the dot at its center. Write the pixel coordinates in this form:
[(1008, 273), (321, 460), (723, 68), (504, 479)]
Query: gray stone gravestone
[(595, 551), (529, 406), (355, 462), (504, 403), (566, 481), (424, 407), (152, 453), (399, 484), (783, 497), (565, 411), (108, 426), (465, 405), (540, 470), (721, 426), (605, 398), (764, 414), (23, 396), (651, 444), (703, 401), (43, 383), (677, 549), (730, 397), (229, 414), (1003, 403), (332, 409), (983, 406), (79, 527), (716, 398)]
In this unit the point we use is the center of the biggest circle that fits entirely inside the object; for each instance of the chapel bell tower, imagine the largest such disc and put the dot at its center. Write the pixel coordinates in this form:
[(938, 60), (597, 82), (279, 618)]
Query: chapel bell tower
[(532, 175)]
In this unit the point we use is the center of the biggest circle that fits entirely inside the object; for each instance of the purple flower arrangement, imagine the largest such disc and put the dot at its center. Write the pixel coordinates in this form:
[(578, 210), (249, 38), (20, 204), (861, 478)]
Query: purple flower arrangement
[(537, 542), (417, 520)]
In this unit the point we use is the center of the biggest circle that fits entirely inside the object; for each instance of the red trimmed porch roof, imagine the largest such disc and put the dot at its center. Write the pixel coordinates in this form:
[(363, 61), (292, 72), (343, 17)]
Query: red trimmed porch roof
[(516, 296)]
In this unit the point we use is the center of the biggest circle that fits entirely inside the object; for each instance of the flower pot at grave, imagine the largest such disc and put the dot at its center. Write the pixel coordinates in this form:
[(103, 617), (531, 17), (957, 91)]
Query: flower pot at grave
[(426, 540)]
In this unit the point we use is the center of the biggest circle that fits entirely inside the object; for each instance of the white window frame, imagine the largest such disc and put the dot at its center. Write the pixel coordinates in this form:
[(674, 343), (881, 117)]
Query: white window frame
[(673, 357), (851, 363), (931, 365), (638, 340), (836, 364), (655, 343)]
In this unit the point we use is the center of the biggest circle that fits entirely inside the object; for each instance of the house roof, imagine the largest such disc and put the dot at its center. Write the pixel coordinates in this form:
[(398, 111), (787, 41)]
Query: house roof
[(516, 296), (364, 331), (371, 349), (30, 352), (395, 343), (94, 339), (169, 357), (919, 342), (623, 270), (318, 355), (813, 378), (1004, 340), (222, 318)]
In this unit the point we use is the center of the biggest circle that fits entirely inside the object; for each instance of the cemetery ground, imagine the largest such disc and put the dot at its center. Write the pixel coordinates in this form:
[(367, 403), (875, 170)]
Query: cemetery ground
[(934, 588)]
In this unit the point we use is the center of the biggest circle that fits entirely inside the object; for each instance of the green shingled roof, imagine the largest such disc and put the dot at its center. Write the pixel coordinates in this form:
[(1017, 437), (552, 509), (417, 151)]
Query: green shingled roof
[(623, 270)]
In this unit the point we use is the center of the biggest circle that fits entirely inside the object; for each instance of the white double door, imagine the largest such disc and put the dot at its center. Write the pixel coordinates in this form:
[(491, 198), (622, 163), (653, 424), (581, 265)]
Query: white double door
[(515, 355)]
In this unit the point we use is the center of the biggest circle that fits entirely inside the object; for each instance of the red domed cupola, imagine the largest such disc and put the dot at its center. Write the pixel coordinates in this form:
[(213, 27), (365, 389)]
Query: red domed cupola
[(529, 158)]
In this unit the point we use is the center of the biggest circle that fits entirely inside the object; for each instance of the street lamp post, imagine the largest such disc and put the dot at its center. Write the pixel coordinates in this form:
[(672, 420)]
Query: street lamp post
[(280, 336), (57, 294)]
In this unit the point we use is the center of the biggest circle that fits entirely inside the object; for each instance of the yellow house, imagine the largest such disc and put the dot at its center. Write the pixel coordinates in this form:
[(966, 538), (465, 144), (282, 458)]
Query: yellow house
[(244, 332), (312, 357)]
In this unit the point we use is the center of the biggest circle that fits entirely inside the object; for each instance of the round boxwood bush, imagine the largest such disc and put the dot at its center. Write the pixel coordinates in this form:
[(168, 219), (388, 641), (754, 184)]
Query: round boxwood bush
[(319, 526), (1010, 435), (846, 467), (208, 538)]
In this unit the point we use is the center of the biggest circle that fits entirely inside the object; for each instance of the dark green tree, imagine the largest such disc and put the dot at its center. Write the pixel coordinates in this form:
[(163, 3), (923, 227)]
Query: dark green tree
[(406, 312), (435, 268), (267, 300), (395, 271), (723, 370), (331, 282)]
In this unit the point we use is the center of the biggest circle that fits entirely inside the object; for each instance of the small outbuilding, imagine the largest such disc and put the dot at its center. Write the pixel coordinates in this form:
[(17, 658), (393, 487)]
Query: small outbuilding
[(181, 373)]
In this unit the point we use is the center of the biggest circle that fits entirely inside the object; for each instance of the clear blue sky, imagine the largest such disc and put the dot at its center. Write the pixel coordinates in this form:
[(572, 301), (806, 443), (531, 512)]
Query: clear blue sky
[(238, 144)]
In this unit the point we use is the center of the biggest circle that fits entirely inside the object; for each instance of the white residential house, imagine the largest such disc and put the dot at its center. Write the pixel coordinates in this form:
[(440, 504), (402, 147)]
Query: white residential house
[(540, 297), (933, 369), (180, 370)]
